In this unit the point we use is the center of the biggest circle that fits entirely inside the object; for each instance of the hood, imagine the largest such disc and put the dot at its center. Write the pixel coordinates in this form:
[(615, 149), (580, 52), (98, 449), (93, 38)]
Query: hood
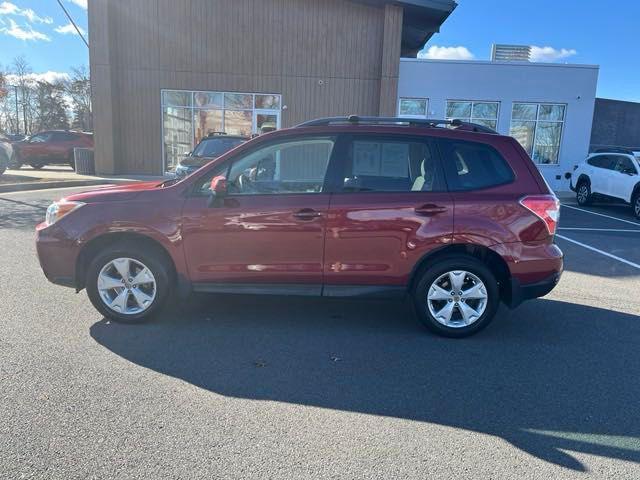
[(114, 193)]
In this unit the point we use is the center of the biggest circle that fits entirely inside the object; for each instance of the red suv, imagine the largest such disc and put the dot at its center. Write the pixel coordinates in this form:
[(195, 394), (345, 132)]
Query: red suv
[(53, 147), (457, 218)]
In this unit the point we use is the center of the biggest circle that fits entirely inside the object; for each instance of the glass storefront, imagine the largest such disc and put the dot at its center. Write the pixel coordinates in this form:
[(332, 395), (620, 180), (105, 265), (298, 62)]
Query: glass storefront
[(188, 116)]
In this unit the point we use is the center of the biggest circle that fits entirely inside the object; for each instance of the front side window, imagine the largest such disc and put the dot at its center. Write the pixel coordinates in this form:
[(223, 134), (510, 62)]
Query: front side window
[(538, 128), (413, 107), (473, 166), (288, 167), (374, 165), (624, 165), (482, 113), (40, 138)]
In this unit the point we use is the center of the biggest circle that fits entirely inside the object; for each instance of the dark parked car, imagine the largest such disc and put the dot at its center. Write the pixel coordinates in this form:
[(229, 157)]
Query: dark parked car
[(209, 148), (52, 147), (458, 219)]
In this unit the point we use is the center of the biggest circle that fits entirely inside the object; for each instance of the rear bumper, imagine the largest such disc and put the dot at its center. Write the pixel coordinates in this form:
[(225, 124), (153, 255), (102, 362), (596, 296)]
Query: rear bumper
[(521, 293)]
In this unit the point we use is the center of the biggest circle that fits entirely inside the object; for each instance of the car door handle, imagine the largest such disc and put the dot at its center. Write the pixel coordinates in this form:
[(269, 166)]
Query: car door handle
[(307, 214), (430, 209)]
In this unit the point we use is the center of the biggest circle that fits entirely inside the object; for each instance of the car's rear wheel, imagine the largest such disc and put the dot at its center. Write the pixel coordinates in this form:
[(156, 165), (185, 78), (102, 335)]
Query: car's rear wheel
[(127, 284), (456, 297), (583, 194), (36, 166)]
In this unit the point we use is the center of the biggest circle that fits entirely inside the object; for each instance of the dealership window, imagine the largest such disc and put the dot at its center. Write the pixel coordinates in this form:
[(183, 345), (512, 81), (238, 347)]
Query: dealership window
[(413, 107), (189, 116), (482, 113), (538, 128)]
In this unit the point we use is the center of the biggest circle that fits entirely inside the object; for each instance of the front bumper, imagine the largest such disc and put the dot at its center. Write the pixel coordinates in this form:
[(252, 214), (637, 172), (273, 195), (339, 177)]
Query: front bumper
[(57, 254)]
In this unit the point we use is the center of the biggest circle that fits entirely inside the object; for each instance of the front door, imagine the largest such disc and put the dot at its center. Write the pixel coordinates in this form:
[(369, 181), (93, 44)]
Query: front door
[(269, 230), (392, 209)]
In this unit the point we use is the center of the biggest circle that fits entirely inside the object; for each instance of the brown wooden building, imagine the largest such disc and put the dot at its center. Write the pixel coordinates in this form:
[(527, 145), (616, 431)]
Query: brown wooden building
[(167, 72)]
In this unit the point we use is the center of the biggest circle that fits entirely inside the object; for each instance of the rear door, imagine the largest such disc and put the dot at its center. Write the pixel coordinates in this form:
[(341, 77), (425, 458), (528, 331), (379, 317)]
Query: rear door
[(390, 208), (601, 177)]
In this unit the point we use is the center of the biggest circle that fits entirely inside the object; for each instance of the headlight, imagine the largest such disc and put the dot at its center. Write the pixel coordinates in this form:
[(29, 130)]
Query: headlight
[(57, 210)]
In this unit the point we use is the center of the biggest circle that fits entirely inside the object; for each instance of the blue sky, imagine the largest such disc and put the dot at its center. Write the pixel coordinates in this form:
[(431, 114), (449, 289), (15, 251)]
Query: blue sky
[(574, 31)]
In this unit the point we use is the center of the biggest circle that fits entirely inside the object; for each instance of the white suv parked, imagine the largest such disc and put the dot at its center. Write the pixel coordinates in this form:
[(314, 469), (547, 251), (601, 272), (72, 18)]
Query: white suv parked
[(612, 174)]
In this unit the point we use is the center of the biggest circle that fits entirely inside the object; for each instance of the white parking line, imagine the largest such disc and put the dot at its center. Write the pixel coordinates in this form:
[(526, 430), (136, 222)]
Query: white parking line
[(600, 214), (612, 230), (606, 254)]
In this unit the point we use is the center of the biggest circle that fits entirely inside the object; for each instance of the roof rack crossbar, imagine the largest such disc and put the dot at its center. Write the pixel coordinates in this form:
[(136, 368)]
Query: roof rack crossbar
[(409, 121)]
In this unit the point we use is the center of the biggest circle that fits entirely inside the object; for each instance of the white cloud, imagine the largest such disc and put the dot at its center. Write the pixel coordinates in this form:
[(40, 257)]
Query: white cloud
[(446, 53), (8, 8), (80, 3), (26, 33), (48, 76), (69, 29), (550, 54)]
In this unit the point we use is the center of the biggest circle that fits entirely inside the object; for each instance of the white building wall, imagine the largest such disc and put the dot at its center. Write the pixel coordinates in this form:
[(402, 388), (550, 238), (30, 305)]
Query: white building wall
[(505, 82)]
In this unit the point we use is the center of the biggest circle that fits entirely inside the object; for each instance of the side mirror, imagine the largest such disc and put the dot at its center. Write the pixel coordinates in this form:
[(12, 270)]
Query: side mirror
[(630, 171), (187, 154), (218, 190), (567, 175)]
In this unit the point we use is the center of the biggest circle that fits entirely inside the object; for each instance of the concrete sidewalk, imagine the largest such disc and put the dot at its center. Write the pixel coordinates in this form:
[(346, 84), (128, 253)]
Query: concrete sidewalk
[(60, 176)]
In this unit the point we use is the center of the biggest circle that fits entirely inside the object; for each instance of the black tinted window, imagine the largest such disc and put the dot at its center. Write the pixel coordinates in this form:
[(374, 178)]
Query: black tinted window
[(214, 147), (471, 166), (603, 161), (62, 136), (624, 164), (381, 165)]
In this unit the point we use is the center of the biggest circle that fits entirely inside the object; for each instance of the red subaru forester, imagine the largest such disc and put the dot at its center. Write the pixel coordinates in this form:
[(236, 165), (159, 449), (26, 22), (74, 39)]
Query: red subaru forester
[(457, 218)]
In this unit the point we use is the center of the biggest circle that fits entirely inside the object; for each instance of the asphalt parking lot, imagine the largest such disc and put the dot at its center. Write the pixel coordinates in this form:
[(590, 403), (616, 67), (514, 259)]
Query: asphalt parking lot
[(241, 387)]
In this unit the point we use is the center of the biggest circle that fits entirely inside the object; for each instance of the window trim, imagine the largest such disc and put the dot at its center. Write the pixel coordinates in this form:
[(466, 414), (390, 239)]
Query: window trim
[(473, 102), (535, 132), (348, 138)]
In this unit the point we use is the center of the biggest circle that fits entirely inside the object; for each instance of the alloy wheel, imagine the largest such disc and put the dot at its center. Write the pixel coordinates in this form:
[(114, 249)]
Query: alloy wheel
[(127, 286), (583, 194), (457, 299), (636, 207)]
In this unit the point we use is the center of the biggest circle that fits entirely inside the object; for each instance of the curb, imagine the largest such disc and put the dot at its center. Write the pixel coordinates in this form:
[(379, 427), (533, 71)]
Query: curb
[(20, 187)]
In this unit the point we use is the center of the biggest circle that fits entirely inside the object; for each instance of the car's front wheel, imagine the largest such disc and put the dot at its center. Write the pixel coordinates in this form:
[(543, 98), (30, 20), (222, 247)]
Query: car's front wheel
[(127, 284), (635, 203), (456, 297), (36, 166)]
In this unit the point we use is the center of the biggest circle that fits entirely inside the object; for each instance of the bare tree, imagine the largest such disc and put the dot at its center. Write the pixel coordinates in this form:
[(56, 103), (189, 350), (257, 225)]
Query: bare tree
[(79, 91), (22, 71)]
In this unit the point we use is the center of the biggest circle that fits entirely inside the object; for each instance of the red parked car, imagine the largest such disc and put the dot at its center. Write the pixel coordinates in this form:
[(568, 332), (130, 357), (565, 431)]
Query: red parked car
[(52, 147), (458, 219)]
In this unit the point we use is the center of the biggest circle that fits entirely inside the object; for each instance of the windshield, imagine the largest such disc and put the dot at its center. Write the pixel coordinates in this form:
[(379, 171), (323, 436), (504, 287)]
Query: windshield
[(214, 147)]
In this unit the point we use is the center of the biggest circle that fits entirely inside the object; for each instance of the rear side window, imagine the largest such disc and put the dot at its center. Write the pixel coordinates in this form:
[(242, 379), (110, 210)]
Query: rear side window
[(472, 166), (375, 164)]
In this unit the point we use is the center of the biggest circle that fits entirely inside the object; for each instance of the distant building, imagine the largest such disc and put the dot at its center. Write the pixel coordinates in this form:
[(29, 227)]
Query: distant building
[(510, 53), (616, 124)]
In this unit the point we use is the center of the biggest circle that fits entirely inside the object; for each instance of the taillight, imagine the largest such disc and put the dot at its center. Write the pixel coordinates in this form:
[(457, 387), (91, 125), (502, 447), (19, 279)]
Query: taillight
[(545, 207)]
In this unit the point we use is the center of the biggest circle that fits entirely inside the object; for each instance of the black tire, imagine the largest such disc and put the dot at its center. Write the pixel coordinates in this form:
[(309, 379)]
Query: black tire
[(583, 194), (150, 258), (440, 268), (635, 204), (36, 166), (2, 169), (15, 163)]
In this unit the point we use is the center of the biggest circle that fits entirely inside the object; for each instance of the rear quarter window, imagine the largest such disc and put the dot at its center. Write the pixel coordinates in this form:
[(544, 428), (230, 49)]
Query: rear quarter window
[(473, 166)]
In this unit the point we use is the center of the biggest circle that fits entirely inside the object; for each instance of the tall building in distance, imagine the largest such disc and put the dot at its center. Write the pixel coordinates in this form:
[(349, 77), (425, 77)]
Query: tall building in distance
[(510, 53)]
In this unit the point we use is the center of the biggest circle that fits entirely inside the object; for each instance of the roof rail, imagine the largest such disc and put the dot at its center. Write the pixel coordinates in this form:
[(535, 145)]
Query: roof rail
[(614, 150), (400, 121)]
